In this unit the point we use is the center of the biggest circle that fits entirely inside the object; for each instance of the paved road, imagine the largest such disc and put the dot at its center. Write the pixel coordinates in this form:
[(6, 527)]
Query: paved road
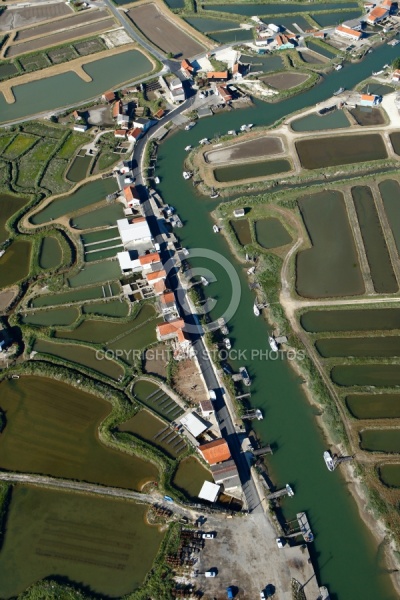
[(227, 428)]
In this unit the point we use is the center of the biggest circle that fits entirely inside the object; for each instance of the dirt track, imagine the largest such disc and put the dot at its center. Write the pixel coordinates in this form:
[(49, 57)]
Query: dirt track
[(58, 38)]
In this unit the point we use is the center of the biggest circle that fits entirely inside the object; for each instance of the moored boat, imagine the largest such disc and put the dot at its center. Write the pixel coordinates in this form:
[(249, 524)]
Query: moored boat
[(339, 91), (251, 271), (273, 344), (259, 414), (256, 310), (188, 148), (245, 376), (289, 490), (338, 67), (187, 174), (215, 229), (227, 343), (204, 281), (329, 461)]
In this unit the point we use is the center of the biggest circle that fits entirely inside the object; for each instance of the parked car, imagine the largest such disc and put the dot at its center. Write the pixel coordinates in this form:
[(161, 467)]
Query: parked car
[(280, 542), (229, 593), (208, 536), (210, 573)]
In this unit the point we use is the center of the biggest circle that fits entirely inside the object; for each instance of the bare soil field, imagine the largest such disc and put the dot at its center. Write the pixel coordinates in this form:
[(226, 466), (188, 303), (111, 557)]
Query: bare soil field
[(6, 297), (162, 32), (14, 18), (285, 81), (188, 383), (155, 361), (60, 55), (74, 21), (59, 38), (263, 146)]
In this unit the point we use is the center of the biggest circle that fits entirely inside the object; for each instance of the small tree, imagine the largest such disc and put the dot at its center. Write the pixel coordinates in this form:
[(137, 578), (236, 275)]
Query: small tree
[(396, 63)]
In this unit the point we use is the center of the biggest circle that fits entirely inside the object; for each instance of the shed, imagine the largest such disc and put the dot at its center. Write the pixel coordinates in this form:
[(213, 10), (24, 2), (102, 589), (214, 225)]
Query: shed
[(193, 424), (209, 491), (238, 212)]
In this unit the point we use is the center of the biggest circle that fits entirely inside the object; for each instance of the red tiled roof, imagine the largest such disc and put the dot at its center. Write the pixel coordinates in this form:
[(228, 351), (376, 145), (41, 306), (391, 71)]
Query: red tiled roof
[(159, 286), (217, 75), (185, 64), (130, 193), (171, 327), (136, 132), (368, 97), (377, 13), (215, 452), (147, 259), (109, 96), (348, 30), (167, 298), (121, 132), (156, 275)]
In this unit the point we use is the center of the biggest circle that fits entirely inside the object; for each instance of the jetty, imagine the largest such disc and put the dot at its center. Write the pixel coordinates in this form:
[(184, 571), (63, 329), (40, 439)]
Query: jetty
[(261, 451), (305, 528), (252, 414), (286, 491)]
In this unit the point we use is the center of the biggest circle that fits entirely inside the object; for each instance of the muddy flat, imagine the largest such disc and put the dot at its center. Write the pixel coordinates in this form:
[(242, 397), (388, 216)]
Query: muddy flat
[(73, 21), (14, 18), (58, 38), (162, 32), (264, 146), (285, 81)]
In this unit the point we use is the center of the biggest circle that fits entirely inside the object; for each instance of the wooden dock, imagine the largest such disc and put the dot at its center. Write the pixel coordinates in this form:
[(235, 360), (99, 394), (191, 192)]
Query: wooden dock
[(264, 450), (305, 528)]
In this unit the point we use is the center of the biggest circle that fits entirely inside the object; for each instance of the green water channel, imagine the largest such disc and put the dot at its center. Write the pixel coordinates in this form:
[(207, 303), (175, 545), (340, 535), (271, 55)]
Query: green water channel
[(9, 205), (190, 476), (390, 193), (206, 25), (50, 255), (100, 543), (380, 440), (344, 150), (14, 264), (79, 167), (335, 18), (113, 308), (376, 250), (101, 217), (251, 169), (105, 271), (321, 49), (103, 254), (351, 320), (270, 233), (51, 318), (359, 346), (341, 538), (52, 428), (80, 355), (82, 197), (377, 375), (89, 293), (68, 88), (265, 64), (334, 120), (395, 139), (330, 267), (374, 406), (154, 431), (242, 231), (390, 475), (239, 35)]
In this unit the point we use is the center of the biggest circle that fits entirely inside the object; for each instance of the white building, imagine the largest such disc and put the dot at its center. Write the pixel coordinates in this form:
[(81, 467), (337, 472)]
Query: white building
[(193, 424), (133, 232), (209, 491)]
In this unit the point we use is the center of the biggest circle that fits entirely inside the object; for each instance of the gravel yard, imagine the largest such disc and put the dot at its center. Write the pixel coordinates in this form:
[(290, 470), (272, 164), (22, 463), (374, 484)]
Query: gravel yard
[(263, 146), (14, 18), (162, 32)]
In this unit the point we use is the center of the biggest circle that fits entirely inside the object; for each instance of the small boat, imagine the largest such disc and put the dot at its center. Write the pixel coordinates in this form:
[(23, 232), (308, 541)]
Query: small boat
[(190, 125), (245, 376), (187, 174), (15, 376), (251, 271), (339, 91), (273, 344), (385, 66), (369, 51), (204, 141), (214, 193), (377, 72), (246, 127), (329, 461), (222, 325), (188, 148), (338, 67), (215, 229), (289, 490), (227, 343), (204, 281), (226, 369), (395, 42), (2, 252), (259, 414), (156, 180), (231, 132), (256, 310), (185, 252)]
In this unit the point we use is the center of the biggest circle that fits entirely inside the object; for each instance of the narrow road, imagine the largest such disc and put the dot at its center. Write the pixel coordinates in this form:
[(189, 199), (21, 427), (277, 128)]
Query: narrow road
[(227, 427), (93, 488)]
